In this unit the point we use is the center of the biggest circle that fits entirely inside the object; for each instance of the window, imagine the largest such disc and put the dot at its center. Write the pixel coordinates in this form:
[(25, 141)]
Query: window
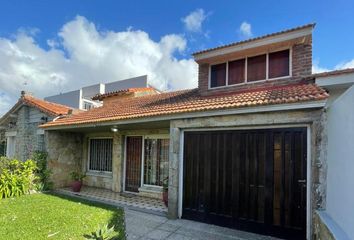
[(88, 106), (156, 153), (279, 64), (236, 72), (2, 149), (218, 75), (256, 68), (10, 146), (101, 155)]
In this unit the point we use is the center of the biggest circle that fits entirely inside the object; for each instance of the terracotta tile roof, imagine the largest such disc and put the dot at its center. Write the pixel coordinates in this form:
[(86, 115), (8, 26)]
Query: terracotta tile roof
[(190, 101), (333, 73), (122, 92), (256, 38), (53, 109)]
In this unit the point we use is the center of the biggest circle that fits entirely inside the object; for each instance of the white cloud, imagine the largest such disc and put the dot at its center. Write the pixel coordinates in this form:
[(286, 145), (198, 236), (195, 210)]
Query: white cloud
[(193, 22), (246, 30), (5, 102), (84, 55), (316, 68), (343, 65)]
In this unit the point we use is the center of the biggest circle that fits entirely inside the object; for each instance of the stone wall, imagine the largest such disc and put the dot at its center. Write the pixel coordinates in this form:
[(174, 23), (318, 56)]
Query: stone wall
[(64, 155), (29, 137), (314, 118), (114, 181), (321, 231)]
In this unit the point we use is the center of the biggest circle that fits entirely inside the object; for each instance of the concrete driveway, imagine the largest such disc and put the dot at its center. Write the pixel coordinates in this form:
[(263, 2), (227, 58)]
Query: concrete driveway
[(141, 225)]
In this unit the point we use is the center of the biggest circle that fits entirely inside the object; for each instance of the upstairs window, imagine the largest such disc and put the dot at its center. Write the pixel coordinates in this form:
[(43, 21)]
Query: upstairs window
[(251, 69), (256, 68), (218, 75), (279, 63), (236, 72)]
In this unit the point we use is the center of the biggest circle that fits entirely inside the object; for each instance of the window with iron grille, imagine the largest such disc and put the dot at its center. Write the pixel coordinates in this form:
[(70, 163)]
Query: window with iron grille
[(101, 155)]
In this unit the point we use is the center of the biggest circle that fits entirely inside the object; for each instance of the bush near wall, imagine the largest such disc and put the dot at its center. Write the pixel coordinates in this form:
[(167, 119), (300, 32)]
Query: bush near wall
[(42, 171), (16, 177)]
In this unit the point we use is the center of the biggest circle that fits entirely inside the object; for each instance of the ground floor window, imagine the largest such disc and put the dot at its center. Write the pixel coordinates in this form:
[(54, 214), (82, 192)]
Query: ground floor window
[(100, 154), (10, 146), (2, 148), (156, 153)]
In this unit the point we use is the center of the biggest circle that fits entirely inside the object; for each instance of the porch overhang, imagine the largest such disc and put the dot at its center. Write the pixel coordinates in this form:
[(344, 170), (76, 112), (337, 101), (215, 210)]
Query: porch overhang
[(160, 121)]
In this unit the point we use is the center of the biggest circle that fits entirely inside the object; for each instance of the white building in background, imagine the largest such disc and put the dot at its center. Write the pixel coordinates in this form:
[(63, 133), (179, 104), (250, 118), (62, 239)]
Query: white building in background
[(81, 99)]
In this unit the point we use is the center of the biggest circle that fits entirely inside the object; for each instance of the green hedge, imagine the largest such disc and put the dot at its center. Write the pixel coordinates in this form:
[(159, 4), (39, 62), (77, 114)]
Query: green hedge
[(16, 177)]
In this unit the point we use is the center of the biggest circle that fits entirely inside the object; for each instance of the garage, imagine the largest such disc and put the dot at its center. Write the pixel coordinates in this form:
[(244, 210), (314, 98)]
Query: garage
[(252, 180)]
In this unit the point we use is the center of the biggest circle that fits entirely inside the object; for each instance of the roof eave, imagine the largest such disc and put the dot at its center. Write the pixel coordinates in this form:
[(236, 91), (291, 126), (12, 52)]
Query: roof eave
[(210, 113), (335, 79), (273, 39)]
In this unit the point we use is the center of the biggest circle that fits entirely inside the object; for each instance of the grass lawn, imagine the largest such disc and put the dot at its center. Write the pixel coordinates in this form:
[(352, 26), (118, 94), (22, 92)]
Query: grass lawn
[(48, 216)]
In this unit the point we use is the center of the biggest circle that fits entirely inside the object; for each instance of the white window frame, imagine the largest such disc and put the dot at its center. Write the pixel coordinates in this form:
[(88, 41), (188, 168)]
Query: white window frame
[(95, 172), (246, 63), (147, 136), (11, 145)]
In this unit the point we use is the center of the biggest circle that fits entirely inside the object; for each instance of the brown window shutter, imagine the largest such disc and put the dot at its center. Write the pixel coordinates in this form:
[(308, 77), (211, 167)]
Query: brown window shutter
[(279, 64), (237, 71), (256, 68), (218, 75)]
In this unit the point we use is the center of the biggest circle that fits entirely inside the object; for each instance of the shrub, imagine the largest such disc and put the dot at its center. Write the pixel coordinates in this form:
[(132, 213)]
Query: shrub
[(103, 233), (42, 171), (16, 177)]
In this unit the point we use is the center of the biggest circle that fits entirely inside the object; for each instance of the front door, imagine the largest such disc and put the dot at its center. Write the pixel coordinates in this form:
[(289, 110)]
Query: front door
[(254, 180), (133, 163)]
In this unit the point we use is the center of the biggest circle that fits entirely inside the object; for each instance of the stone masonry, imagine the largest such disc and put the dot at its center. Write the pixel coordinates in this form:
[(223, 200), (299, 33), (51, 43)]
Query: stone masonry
[(28, 136), (64, 155), (312, 118)]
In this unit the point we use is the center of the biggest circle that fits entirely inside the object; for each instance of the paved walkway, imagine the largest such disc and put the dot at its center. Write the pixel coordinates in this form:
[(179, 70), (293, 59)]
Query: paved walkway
[(145, 226), (118, 199)]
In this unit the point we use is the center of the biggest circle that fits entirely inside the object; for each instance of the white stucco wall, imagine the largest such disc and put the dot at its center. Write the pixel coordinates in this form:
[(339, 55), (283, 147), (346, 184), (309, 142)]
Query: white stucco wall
[(340, 175)]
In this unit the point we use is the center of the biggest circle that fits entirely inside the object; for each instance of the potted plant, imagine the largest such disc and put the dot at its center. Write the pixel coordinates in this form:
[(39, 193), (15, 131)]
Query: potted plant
[(77, 180), (165, 191)]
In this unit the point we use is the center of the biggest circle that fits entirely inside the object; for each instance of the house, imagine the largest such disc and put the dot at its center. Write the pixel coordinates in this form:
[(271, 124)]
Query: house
[(82, 98), (19, 132), (246, 149)]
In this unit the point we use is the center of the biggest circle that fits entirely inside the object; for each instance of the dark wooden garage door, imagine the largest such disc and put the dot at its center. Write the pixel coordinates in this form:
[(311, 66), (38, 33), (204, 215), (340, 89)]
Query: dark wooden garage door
[(253, 180)]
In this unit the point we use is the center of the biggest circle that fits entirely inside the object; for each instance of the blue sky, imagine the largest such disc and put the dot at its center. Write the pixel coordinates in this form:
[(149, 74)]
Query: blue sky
[(51, 46)]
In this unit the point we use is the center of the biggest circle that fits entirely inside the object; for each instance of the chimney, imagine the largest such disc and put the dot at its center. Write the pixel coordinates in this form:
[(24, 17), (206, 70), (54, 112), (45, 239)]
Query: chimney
[(24, 93)]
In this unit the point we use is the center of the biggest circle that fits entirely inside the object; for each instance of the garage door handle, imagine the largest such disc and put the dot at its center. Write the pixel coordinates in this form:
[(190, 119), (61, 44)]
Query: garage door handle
[(301, 181)]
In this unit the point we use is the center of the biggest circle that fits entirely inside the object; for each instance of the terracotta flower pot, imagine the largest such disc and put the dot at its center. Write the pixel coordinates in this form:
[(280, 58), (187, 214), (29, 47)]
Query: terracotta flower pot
[(76, 186), (165, 197)]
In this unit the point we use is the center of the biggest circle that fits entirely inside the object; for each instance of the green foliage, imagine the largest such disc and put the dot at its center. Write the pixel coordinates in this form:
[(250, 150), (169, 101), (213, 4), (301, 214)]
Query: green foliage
[(42, 171), (16, 177), (103, 233), (77, 176), (52, 216)]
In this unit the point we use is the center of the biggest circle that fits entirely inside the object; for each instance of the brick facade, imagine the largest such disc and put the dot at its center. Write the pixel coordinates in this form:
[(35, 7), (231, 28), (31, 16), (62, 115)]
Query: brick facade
[(301, 67)]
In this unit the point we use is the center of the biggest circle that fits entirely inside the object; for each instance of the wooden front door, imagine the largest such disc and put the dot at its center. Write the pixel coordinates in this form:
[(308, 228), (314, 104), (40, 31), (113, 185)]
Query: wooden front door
[(133, 163), (253, 180)]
